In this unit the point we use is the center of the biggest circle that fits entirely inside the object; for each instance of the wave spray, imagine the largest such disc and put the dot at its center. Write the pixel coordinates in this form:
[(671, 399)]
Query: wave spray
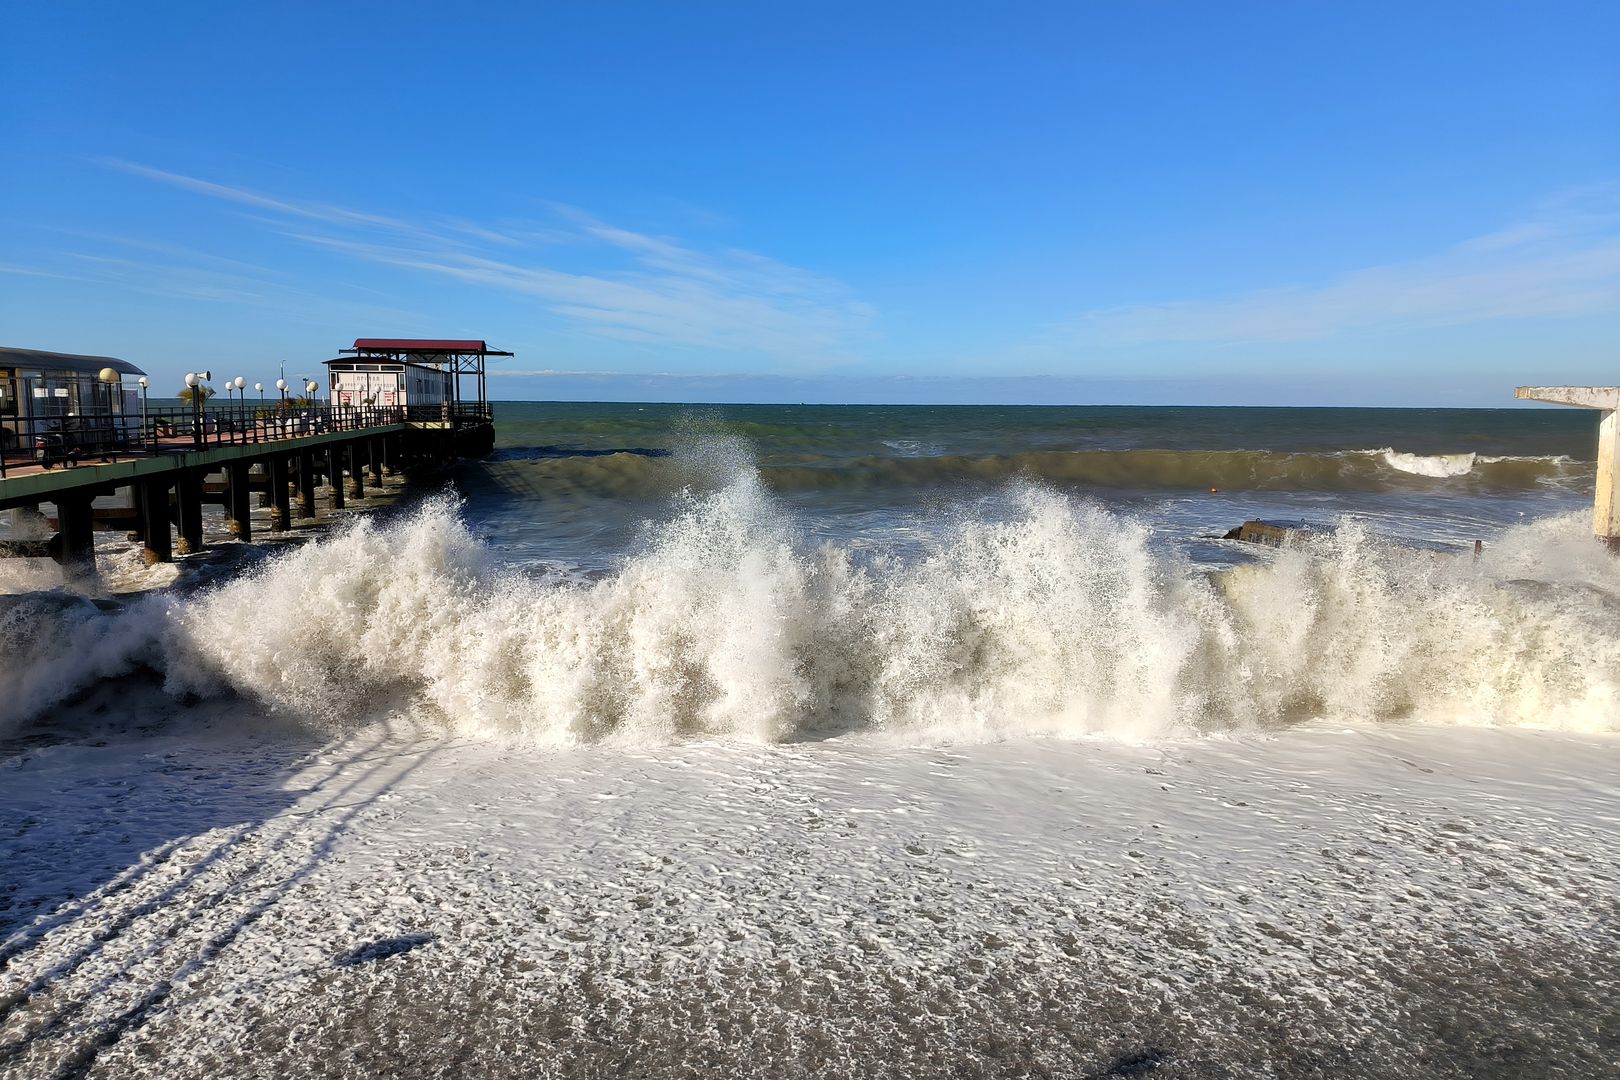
[(1058, 618)]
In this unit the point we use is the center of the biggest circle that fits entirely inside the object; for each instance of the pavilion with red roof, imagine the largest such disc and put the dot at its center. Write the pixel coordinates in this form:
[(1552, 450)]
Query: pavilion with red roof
[(419, 373)]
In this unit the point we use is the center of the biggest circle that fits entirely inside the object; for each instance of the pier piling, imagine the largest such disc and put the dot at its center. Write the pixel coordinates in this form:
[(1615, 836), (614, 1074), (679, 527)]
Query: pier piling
[(189, 500), (1606, 493), (306, 485), (239, 519), (333, 467), (357, 483), (152, 498), (280, 497), (75, 537)]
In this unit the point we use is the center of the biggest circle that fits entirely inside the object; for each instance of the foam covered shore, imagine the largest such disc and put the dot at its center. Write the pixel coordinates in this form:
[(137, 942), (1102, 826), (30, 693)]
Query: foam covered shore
[(232, 898)]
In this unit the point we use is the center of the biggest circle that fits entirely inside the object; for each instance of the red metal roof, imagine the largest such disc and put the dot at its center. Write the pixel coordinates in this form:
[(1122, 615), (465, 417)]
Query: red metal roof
[(419, 345)]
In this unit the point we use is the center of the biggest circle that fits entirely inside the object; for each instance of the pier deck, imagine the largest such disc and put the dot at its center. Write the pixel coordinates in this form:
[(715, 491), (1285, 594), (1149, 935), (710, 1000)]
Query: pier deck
[(284, 455)]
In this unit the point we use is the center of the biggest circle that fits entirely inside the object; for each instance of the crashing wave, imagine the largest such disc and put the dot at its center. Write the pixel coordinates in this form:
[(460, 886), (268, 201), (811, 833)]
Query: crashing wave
[(1057, 619)]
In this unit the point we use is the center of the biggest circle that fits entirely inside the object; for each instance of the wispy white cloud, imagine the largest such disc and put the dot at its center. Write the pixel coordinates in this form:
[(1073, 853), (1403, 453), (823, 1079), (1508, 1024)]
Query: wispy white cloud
[(336, 215), (171, 253), (32, 271), (148, 268), (563, 373), (1564, 261), (605, 280)]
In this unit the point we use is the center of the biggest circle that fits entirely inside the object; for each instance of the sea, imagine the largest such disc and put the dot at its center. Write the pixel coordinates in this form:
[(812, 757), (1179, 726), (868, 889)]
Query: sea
[(576, 482), (631, 572), (804, 741)]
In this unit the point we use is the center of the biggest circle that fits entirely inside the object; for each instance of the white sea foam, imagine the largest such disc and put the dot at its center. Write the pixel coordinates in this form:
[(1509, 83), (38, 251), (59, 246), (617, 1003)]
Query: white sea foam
[(914, 448), (1056, 618), (1443, 466), (1341, 902), (1437, 465)]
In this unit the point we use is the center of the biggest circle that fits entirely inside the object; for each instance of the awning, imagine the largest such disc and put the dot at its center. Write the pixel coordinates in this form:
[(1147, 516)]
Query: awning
[(36, 360)]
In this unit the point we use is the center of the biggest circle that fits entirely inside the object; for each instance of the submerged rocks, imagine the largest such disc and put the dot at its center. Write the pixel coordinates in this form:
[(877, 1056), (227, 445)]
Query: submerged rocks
[(1275, 533)]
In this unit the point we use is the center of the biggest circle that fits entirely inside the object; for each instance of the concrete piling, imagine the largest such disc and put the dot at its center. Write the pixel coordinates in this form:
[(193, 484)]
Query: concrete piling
[(239, 519), (280, 499), (1606, 493), (189, 502), (333, 467), (153, 501), (306, 485), (357, 483), (75, 545)]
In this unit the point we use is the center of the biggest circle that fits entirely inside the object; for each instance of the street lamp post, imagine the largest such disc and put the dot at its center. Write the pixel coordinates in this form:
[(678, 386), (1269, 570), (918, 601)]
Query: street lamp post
[(196, 414), (281, 384), (143, 383), (109, 378), (234, 423), (194, 381)]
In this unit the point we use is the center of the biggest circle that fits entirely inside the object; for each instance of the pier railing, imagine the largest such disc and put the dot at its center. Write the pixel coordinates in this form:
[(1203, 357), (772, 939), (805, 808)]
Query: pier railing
[(90, 437), (87, 437), (458, 414), (183, 429)]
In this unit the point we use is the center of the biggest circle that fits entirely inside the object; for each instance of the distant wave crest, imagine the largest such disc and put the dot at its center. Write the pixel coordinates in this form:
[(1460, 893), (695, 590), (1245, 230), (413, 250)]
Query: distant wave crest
[(637, 474), (1436, 465)]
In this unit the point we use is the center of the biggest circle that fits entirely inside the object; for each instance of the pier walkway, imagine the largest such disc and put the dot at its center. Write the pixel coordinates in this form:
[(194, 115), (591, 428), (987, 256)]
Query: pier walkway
[(162, 470)]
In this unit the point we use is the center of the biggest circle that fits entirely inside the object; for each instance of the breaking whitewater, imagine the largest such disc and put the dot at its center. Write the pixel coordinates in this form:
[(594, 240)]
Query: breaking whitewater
[(1029, 794)]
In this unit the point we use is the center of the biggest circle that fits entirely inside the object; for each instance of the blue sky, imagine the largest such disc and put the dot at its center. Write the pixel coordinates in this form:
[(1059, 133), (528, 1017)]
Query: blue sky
[(1257, 203)]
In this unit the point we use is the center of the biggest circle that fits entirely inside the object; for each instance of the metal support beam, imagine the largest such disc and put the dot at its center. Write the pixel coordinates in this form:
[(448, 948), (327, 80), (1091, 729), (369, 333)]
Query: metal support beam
[(239, 518), (1606, 493), (188, 490)]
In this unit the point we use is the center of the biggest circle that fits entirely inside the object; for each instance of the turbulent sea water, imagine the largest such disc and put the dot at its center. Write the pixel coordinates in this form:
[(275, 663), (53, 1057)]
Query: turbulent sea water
[(874, 476), (769, 741), (644, 574)]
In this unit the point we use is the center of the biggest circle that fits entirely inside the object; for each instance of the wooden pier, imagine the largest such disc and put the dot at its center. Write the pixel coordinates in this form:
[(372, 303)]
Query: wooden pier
[(169, 463), (340, 455)]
